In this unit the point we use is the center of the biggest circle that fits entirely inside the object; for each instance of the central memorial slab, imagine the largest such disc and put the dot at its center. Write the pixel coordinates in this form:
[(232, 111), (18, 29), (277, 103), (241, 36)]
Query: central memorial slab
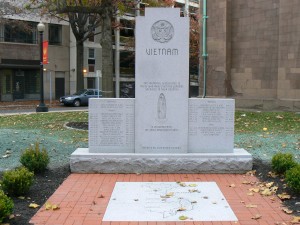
[(162, 72)]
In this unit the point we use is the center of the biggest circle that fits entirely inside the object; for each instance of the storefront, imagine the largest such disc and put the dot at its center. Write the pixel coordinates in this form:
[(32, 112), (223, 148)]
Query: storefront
[(19, 84)]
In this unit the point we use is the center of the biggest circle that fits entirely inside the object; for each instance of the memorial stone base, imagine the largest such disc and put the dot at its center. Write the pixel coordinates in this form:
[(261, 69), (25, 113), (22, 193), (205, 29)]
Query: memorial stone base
[(82, 161)]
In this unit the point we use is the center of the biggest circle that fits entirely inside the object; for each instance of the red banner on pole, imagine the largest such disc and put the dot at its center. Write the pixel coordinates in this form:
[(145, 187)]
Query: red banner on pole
[(45, 52)]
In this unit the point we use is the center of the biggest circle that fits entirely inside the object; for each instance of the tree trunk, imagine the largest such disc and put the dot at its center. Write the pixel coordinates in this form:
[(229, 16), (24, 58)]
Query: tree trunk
[(107, 59), (79, 61)]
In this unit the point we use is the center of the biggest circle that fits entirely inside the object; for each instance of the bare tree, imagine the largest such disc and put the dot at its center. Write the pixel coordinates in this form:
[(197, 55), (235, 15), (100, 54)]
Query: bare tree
[(84, 17)]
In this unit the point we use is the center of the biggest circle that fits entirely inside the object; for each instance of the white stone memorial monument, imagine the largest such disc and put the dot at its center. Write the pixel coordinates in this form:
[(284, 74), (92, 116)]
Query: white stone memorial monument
[(161, 130)]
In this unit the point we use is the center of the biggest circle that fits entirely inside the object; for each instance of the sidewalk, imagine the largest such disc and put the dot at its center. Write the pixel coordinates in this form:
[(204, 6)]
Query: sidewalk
[(83, 199), (27, 104)]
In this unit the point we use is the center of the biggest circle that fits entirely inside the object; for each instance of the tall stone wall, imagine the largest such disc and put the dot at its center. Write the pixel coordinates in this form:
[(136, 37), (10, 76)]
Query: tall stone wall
[(289, 50), (254, 48), (218, 42), (254, 52)]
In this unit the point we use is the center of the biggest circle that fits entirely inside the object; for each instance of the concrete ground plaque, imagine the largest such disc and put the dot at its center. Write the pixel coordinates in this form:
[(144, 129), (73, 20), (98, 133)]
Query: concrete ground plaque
[(111, 125), (168, 201), (162, 71)]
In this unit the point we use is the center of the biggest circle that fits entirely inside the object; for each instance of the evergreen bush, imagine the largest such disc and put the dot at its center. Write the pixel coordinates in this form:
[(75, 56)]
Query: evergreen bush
[(18, 181), (35, 159), (6, 206), (281, 162), (292, 178)]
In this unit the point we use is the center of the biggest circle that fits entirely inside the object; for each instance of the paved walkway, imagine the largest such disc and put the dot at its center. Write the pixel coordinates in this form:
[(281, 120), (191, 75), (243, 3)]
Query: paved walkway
[(83, 199)]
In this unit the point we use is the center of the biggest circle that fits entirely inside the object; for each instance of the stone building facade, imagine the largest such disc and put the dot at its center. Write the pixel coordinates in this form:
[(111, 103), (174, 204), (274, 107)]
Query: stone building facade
[(254, 52)]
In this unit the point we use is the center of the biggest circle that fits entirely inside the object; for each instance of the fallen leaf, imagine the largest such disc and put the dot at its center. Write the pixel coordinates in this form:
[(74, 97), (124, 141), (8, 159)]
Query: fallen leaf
[(33, 205), (287, 211), (251, 206), (170, 194), (48, 206), (269, 184), (250, 194), (12, 216), (193, 185), (256, 217), (246, 182), (266, 192), (182, 184), (272, 174), (283, 145), (284, 196), (193, 202), (183, 217), (256, 190), (251, 173), (21, 197), (101, 196), (55, 207), (274, 188), (265, 129), (232, 185), (181, 209), (296, 219), (193, 190)]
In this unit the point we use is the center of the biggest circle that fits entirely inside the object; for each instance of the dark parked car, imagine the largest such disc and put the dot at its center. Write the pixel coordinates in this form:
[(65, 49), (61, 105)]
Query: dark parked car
[(80, 97)]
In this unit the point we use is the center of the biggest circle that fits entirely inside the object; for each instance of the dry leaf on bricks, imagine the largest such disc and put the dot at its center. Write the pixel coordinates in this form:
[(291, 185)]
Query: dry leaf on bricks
[(287, 211), (296, 220), (251, 206), (284, 196), (256, 217)]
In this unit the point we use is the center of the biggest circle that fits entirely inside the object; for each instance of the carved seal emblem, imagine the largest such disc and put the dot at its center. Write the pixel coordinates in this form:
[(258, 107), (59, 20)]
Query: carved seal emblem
[(162, 31)]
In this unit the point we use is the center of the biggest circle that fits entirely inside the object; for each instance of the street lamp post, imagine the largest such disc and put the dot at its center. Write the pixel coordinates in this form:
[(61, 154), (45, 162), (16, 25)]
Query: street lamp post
[(41, 107)]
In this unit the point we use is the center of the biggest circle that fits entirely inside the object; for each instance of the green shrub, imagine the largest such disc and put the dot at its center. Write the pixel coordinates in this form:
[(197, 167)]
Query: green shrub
[(292, 178), (17, 182), (35, 159), (6, 206), (281, 162)]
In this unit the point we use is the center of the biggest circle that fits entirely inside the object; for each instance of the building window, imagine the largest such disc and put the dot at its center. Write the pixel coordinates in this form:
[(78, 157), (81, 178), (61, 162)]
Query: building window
[(91, 60), (20, 32), (55, 34)]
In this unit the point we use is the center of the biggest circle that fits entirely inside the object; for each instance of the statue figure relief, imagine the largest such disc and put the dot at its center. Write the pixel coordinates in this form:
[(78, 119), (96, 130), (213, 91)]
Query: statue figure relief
[(161, 107)]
